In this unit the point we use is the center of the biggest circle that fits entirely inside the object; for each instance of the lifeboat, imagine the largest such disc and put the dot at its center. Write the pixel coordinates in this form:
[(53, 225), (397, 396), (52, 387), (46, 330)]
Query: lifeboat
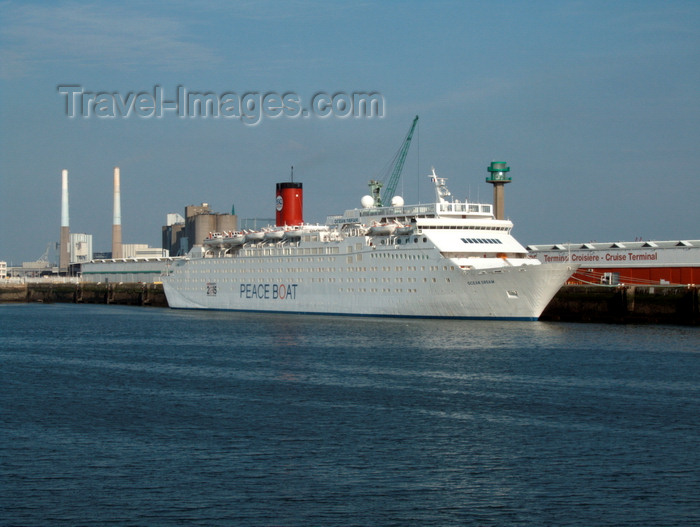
[(403, 229), (214, 239), (254, 236), (299, 230), (291, 233), (382, 229), (273, 235), (235, 238)]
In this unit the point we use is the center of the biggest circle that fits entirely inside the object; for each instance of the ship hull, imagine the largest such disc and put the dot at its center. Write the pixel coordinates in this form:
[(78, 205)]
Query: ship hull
[(516, 293)]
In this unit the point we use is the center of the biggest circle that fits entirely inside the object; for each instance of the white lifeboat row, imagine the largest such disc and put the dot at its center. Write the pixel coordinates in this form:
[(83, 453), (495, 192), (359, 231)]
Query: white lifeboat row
[(271, 234), (389, 228), (279, 234)]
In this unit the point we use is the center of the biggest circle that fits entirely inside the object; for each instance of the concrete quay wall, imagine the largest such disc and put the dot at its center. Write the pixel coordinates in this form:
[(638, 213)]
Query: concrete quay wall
[(625, 305), (137, 294), (573, 303)]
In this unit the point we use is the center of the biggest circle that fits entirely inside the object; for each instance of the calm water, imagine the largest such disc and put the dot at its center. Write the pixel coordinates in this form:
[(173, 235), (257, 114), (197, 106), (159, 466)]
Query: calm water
[(140, 416)]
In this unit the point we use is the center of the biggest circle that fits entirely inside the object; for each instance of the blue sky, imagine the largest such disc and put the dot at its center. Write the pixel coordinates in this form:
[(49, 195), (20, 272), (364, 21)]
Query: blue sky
[(594, 105)]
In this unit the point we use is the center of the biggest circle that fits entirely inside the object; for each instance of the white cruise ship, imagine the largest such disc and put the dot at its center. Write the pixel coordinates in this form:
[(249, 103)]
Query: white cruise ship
[(446, 259)]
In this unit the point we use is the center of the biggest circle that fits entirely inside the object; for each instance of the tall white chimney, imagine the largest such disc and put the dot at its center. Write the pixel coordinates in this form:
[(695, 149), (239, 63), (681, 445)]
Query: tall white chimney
[(63, 251), (117, 219)]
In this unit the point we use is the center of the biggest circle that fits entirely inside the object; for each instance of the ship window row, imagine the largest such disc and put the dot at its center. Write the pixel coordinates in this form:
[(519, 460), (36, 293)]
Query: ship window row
[(464, 227), (283, 270), (204, 273), (375, 290), (226, 264), (375, 254), (481, 240), (400, 256), (196, 284), (406, 240), (291, 251), (372, 280)]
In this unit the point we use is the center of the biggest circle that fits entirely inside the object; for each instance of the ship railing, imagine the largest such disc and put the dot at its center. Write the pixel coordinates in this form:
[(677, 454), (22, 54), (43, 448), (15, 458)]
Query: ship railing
[(405, 210), (355, 215), (429, 209)]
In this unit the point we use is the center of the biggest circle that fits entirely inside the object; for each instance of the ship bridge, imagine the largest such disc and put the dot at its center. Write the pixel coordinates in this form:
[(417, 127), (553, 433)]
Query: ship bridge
[(443, 207)]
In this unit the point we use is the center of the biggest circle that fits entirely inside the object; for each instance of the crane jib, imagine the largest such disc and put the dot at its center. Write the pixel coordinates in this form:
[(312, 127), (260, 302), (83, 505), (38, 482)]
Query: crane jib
[(390, 188)]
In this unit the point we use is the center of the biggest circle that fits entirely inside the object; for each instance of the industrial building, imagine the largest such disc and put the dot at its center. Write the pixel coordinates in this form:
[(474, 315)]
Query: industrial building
[(674, 262), (80, 248), (140, 263), (181, 234), (134, 270)]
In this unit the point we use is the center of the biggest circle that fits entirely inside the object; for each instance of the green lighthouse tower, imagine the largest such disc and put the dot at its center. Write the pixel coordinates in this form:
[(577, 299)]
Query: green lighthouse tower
[(498, 177)]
